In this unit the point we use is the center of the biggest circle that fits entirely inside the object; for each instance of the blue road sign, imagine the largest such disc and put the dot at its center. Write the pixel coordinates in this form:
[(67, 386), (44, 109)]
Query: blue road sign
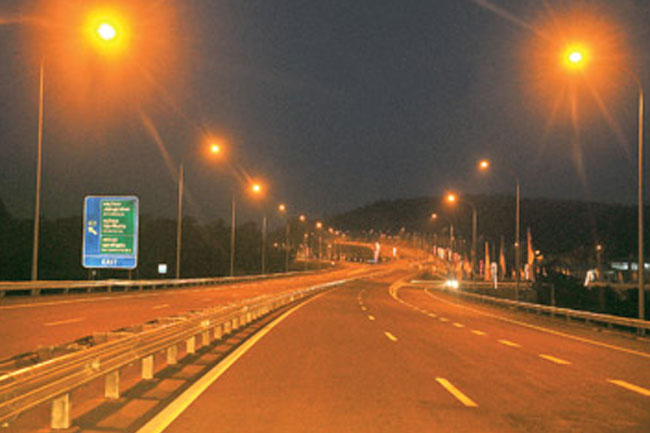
[(110, 232)]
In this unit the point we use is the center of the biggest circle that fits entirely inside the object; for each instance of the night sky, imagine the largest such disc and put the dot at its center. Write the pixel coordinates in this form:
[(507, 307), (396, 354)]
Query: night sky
[(334, 104)]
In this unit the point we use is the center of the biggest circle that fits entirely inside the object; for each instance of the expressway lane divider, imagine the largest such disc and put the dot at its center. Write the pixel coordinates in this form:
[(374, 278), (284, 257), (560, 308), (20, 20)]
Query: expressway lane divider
[(54, 380), (479, 333), (554, 359), (390, 336), (589, 341), (172, 411), (65, 322), (630, 387), (465, 400), (509, 343)]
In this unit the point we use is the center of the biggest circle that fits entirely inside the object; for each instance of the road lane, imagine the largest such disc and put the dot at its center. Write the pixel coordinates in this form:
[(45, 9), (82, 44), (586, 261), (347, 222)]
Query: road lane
[(30, 323), (328, 368), (574, 389)]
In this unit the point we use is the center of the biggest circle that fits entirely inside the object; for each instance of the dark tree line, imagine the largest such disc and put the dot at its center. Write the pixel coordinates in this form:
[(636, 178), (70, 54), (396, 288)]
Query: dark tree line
[(205, 248)]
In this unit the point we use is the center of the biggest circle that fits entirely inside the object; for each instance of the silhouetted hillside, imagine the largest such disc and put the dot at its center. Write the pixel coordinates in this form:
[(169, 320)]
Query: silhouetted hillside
[(568, 229)]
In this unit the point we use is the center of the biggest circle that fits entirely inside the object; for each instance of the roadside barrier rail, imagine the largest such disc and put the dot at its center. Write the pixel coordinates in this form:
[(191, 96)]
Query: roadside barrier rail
[(54, 380), (35, 288), (642, 326)]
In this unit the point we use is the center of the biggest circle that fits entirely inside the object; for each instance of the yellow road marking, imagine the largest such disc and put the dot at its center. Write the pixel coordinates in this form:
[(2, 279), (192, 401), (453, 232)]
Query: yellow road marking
[(546, 330), (509, 343), (371, 317), (468, 402), (477, 332), (390, 336), (554, 359), (65, 322), (161, 421), (458, 325), (629, 386)]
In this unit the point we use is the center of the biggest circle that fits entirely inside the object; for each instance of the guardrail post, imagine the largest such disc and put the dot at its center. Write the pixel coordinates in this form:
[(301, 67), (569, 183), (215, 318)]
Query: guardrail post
[(60, 412), (217, 332), (112, 389), (235, 323), (147, 367), (205, 338), (172, 355), (190, 345), (227, 328)]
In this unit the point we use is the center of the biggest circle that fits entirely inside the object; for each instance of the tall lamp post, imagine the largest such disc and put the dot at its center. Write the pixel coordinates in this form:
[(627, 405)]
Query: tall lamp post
[(453, 198), (319, 227), (282, 208), (105, 33), (434, 217), (214, 149), (256, 189), (484, 165), (575, 58)]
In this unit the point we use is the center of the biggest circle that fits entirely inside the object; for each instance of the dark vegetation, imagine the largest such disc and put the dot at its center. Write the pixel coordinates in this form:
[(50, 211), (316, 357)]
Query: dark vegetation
[(565, 232)]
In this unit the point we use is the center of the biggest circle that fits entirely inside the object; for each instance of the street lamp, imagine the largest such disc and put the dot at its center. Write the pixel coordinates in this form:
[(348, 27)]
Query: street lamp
[(452, 198), (576, 57), (105, 33), (319, 227), (257, 189), (215, 150), (283, 209), (435, 217), (485, 165)]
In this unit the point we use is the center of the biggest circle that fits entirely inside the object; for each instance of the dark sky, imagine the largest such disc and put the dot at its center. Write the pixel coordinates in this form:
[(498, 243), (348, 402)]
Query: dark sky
[(334, 103)]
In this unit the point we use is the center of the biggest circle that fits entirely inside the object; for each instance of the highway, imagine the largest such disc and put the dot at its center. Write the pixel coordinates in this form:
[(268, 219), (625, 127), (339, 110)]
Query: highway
[(376, 356), (29, 322)]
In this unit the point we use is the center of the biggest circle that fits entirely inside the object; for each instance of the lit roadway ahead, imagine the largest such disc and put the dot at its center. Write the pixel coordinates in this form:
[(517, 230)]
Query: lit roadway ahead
[(49, 320), (374, 356)]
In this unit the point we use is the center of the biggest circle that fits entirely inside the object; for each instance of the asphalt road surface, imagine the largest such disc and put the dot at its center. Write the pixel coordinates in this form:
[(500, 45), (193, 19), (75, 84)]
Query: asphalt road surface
[(30, 322), (376, 357)]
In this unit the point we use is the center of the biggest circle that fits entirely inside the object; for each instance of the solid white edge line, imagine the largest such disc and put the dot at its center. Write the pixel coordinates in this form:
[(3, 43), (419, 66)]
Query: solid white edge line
[(161, 421), (543, 329)]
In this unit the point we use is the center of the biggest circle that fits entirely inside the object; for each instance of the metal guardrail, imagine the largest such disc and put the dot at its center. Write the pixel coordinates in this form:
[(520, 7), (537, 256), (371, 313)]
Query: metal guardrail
[(606, 319), (54, 380), (37, 287)]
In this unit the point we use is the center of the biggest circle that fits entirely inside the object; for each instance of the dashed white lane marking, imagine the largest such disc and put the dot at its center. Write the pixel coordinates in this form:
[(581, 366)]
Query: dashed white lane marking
[(543, 329), (468, 402), (554, 359), (443, 319), (433, 316), (371, 317), (458, 325), (477, 332), (390, 336), (364, 309), (509, 343), (630, 387), (158, 307), (65, 322)]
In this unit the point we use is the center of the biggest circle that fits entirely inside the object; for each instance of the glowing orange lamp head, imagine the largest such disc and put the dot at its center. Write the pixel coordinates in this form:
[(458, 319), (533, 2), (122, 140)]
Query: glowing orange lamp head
[(106, 31), (302, 218), (282, 207), (483, 164), (451, 197)]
